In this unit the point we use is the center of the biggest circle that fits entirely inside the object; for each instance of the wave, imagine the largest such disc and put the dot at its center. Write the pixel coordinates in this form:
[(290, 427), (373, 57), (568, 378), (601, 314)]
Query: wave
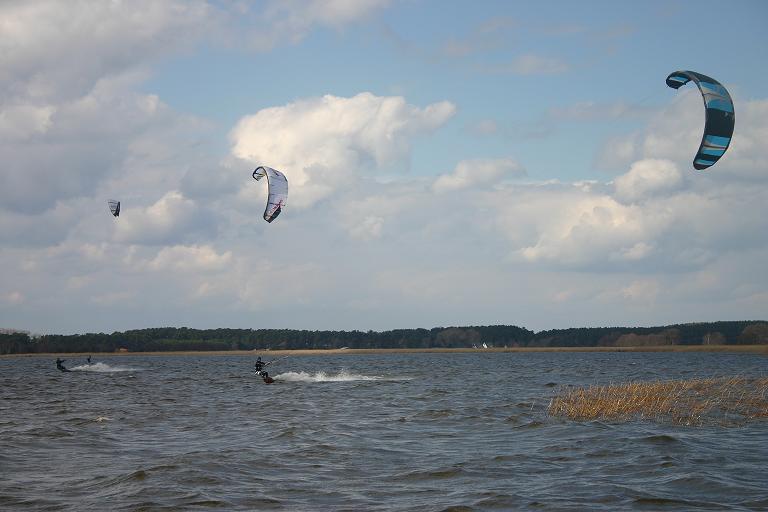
[(102, 368), (342, 376)]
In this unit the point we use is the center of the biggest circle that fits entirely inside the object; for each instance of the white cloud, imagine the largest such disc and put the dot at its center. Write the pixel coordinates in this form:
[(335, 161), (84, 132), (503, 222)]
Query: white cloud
[(368, 228), (746, 155), (194, 258), (51, 50), (69, 115), (618, 152), (322, 144), (173, 218), (22, 121), (648, 178), (366, 217), (84, 142), (655, 218), (570, 227), (674, 134), (478, 172), (18, 229), (275, 284)]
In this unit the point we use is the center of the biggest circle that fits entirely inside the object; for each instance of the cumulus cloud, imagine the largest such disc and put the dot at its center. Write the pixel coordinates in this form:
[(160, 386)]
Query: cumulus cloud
[(478, 172), (255, 283), (366, 217), (193, 258), (51, 51), (18, 122), (172, 219), (19, 229), (674, 134), (207, 181), (618, 151), (321, 144), (367, 228), (660, 215), (86, 141), (648, 178), (568, 226), (746, 155), (70, 116)]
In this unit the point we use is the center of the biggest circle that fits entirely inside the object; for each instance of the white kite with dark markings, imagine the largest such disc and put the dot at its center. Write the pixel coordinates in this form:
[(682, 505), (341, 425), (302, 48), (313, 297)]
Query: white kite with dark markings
[(278, 191), (114, 207)]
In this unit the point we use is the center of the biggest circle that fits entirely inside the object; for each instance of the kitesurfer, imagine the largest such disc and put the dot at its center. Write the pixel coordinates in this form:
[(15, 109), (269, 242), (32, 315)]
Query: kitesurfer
[(89, 360), (261, 372), (60, 365), (259, 366)]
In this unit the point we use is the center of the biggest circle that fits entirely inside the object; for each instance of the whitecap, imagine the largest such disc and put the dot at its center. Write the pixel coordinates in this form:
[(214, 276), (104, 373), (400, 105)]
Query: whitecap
[(342, 376), (102, 368)]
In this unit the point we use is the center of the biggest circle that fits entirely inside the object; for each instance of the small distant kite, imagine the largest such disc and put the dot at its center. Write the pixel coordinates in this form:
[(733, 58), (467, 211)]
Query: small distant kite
[(720, 117), (114, 207), (278, 191)]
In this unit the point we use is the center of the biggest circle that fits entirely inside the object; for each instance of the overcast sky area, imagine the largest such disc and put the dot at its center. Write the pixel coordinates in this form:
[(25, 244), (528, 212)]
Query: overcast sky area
[(449, 163)]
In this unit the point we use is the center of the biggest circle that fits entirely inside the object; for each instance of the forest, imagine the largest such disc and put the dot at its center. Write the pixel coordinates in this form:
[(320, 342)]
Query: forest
[(162, 339)]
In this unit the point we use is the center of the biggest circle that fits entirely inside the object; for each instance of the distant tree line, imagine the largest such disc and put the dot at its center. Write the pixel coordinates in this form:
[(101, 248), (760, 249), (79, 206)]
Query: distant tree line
[(182, 338)]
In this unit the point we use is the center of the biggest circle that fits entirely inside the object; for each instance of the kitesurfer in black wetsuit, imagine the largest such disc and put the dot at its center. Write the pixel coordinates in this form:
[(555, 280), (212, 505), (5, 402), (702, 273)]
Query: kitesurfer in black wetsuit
[(260, 371), (60, 365), (259, 366), (89, 359)]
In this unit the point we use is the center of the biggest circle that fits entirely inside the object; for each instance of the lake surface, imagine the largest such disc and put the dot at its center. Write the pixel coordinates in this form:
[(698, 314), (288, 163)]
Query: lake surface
[(395, 432)]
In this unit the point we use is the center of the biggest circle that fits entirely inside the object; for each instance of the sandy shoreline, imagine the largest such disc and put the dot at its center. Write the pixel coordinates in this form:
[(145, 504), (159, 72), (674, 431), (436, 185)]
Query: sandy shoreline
[(752, 349)]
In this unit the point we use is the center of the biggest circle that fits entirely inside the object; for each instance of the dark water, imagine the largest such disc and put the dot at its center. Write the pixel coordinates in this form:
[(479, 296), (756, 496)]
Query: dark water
[(418, 432)]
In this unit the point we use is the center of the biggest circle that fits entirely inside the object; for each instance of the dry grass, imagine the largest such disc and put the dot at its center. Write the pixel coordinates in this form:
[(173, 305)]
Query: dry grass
[(722, 401)]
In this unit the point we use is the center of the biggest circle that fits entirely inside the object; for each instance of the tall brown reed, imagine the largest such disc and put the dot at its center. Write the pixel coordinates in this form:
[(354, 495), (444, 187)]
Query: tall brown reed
[(722, 401)]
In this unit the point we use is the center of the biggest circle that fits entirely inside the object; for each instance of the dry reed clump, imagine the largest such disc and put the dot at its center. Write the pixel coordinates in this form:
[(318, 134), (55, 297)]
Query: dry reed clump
[(723, 401)]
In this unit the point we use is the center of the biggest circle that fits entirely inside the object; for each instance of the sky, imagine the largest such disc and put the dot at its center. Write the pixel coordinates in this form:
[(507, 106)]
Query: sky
[(449, 163)]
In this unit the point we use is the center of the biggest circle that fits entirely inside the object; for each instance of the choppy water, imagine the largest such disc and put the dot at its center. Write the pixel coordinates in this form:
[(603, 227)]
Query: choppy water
[(418, 432)]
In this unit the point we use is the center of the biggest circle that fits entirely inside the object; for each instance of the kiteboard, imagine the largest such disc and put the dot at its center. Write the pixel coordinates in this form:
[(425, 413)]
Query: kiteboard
[(267, 379)]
